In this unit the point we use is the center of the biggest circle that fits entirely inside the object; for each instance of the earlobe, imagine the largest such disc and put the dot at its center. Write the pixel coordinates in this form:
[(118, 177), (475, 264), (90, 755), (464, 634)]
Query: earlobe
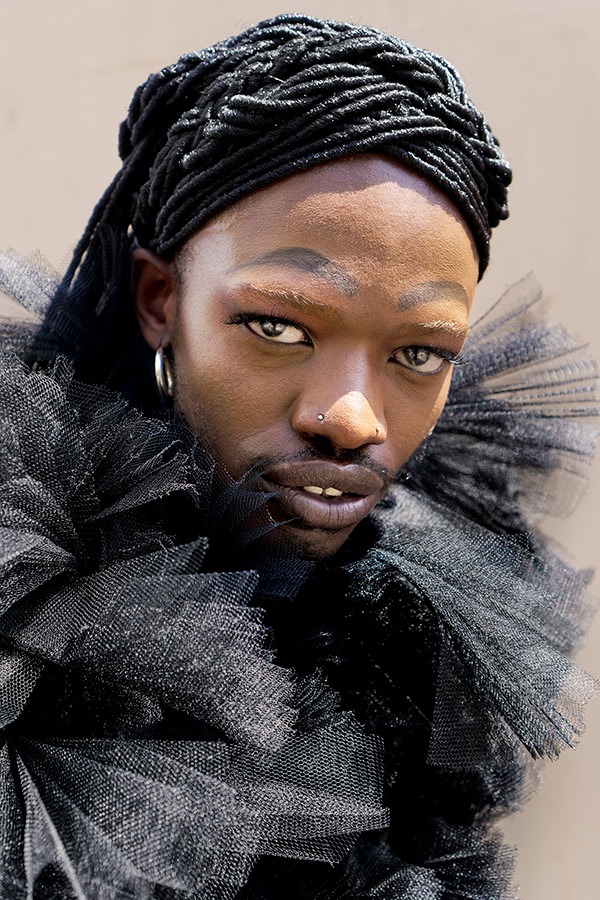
[(154, 297)]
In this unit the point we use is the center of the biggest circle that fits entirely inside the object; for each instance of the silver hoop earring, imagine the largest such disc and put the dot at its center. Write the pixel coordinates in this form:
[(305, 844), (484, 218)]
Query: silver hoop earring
[(163, 374)]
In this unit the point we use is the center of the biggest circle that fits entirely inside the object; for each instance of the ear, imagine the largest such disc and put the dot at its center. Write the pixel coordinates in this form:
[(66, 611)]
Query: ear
[(154, 297)]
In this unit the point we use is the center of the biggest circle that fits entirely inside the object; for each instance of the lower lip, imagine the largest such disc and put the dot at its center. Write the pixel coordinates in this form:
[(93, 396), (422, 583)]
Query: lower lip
[(316, 511)]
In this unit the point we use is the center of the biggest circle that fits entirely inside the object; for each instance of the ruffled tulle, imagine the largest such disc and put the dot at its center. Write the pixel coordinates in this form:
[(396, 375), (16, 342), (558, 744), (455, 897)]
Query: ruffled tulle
[(178, 727), (113, 635)]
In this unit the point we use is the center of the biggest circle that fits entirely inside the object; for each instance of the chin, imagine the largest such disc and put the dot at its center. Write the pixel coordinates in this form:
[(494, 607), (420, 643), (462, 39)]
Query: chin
[(306, 542)]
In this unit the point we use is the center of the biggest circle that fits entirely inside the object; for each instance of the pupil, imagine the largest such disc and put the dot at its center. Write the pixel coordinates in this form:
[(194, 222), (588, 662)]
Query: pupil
[(418, 355), (273, 329)]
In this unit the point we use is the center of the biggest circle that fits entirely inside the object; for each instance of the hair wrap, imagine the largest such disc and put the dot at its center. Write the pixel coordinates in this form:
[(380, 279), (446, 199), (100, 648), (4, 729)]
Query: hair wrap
[(293, 92), (285, 95)]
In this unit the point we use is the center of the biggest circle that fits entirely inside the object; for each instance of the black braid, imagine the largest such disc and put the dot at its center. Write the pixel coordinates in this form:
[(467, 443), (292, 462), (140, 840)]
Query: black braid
[(283, 96)]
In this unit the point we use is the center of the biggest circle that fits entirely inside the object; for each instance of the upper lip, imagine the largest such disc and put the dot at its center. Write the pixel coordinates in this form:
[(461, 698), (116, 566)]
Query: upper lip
[(351, 479)]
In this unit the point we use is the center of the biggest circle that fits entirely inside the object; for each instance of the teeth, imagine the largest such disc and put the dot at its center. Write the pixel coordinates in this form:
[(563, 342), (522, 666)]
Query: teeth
[(326, 492)]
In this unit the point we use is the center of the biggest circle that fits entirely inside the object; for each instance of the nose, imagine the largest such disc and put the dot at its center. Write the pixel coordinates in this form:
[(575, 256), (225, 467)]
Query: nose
[(347, 418)]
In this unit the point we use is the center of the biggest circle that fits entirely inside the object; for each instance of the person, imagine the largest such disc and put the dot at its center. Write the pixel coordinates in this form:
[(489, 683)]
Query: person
[(277, 620)]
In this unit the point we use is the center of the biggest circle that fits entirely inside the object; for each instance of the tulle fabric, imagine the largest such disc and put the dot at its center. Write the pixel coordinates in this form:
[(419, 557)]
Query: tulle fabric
[(99, 599), (174, 728)]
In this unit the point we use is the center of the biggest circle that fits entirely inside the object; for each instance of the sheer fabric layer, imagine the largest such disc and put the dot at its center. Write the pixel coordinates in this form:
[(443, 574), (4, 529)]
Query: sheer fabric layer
[(349, 730)]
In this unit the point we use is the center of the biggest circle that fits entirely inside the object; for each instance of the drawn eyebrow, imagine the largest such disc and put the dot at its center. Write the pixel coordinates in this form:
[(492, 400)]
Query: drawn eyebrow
[(292, 299), (296, 301), (441, 327), (306, 260), (430, 291)]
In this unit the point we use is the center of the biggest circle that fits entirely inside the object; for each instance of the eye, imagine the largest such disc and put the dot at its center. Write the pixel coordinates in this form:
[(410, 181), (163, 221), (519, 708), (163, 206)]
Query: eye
[(277, 330), (424, 360)]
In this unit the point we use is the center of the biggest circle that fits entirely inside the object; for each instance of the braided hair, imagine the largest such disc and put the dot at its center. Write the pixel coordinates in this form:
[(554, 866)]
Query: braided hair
[(283, 96)]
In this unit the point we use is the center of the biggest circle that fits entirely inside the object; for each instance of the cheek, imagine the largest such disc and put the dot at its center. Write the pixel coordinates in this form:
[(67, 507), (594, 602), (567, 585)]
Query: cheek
[(413, 414), (225, 398)]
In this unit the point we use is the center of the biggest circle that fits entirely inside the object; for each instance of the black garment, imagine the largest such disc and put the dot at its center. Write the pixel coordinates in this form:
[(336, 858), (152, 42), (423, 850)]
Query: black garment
[(184, 718)]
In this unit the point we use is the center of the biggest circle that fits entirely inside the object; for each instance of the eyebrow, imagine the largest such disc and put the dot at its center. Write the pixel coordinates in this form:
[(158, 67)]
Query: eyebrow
[(288, 298), (297, 301), (306, 260), (441, 327), (431, 291)]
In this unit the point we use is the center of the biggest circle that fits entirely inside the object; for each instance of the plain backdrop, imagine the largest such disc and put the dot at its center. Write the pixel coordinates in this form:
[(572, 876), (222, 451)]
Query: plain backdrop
[(67, 72)]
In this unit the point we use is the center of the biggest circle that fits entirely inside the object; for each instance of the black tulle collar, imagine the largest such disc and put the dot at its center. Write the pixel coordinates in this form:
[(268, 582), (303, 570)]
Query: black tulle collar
[(211, 706)]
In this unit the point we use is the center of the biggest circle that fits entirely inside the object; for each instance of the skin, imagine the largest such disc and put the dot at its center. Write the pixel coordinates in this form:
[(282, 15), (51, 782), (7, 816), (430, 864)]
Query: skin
[(386, 263)]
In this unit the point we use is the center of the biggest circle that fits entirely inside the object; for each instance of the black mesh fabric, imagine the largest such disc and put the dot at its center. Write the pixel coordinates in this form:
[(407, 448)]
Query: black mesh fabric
[(113, 635), (177, 722)]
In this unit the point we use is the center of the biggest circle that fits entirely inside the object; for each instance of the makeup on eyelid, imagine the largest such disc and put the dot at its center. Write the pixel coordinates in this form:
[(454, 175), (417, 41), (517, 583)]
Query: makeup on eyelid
[(267, 330), (350, 315), (325, 311)]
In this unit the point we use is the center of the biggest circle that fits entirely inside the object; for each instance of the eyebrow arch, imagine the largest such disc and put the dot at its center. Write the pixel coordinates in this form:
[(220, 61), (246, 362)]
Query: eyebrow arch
[(430, 291), (291, 299), (306, 260), (441, 326), (296, 301)]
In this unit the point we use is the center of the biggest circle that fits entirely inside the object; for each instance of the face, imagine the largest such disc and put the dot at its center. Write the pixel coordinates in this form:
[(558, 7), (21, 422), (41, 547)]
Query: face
[(313, 329)]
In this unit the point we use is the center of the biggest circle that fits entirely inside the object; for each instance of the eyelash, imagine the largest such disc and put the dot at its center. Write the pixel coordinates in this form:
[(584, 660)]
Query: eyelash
[(245, 318), (455, 359)]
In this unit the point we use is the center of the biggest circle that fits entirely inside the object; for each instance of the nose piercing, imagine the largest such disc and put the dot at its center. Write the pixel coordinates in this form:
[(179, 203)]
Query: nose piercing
[(321, 416)]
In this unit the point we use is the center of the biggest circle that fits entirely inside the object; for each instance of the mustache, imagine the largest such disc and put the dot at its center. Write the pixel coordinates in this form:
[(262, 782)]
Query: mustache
[(259, 465)]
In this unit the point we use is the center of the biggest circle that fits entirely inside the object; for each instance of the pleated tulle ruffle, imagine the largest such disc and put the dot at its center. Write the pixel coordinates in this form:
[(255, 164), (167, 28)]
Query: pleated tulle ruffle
[(167, 731)]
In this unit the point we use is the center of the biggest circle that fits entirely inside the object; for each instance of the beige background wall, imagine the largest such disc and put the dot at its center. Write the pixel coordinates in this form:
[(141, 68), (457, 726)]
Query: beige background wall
[(67, 71)]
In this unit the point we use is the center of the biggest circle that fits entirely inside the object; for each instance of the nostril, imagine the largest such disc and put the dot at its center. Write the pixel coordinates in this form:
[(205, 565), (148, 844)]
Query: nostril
[(348, 422)]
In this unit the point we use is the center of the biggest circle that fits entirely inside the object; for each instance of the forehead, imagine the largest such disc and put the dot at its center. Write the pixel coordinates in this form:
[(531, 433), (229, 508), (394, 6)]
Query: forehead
[(367, 212)]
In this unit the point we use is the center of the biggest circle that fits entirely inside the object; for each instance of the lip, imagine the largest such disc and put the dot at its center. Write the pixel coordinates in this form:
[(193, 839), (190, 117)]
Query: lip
[(362, 489)]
